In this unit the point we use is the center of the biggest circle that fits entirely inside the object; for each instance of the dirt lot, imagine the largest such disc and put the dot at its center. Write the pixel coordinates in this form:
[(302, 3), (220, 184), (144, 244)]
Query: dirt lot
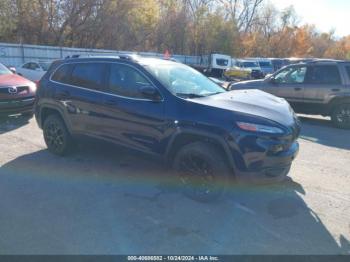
[(106, 200)]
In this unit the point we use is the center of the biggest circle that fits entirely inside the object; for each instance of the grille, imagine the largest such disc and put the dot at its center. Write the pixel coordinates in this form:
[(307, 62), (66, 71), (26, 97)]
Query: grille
[(20, 89)]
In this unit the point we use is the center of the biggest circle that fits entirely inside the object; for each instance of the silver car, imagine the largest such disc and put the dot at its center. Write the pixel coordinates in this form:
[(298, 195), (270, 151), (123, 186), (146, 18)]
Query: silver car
[(318, 87)]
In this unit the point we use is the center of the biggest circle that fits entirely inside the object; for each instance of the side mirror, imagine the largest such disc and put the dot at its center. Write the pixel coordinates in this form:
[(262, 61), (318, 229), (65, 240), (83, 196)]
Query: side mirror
[(272, 80), (13, 69), (150, 92)]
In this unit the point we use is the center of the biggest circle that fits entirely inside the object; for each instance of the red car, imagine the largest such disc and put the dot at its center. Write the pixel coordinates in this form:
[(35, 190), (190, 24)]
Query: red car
[(16, 93)]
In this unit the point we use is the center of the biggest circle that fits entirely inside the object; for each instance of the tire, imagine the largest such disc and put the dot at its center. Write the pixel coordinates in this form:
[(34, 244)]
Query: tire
[(195, 160), (56, 135), (341, 116)]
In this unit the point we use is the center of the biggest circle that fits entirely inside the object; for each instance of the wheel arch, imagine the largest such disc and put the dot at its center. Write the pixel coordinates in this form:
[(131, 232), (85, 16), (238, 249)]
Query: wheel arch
[(183, 138), (47, 110), (337, 101)]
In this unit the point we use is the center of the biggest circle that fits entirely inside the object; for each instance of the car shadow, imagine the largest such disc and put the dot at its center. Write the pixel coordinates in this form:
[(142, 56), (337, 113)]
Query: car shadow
[(323, 132), (9, 123), (108, 200)]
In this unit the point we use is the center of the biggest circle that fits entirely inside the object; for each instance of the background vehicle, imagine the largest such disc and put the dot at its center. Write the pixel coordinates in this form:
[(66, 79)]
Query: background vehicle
[(236, 72), (170, 110), (214, 64), (266, 66), (278, 63), (256, 71), (16, 93), (318, 87), (33, 70)]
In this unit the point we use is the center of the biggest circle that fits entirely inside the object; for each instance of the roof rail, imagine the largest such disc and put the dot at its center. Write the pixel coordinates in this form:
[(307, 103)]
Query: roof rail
[(120, 56)]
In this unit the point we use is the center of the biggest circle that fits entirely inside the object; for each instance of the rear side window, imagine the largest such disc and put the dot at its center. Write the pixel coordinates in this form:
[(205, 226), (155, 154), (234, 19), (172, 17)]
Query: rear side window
[(325, 74), (62, 74), (88, 75)]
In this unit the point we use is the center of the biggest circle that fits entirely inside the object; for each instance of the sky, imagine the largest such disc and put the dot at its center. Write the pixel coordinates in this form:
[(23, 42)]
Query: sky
[(324, 14)]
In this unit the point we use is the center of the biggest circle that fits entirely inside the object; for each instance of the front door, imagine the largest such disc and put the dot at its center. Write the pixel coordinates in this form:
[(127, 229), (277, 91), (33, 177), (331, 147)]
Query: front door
[(133, 119), (289, 83)]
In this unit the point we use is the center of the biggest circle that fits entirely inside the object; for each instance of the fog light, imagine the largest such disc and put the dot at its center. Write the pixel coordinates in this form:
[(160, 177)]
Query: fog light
[(277, 148)]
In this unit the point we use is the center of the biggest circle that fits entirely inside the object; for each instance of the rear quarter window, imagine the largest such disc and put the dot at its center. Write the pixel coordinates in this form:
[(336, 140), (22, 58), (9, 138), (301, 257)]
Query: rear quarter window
[(62, 74)]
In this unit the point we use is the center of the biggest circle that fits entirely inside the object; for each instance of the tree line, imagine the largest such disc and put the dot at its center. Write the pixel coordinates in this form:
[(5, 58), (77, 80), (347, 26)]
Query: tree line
[(240, 28)]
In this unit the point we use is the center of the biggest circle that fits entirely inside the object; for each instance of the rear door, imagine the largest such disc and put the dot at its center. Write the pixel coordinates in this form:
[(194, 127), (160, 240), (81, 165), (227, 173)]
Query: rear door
[(322, 82), (79, 88)]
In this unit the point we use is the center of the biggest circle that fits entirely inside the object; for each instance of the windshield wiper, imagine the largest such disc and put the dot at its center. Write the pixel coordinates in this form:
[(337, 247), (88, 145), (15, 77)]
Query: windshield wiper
[(189, 95), (216, 93)]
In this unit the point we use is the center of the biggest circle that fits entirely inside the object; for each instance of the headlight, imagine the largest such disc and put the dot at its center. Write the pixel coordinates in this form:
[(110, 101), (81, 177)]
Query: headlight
[(259, 128), (32, 87)]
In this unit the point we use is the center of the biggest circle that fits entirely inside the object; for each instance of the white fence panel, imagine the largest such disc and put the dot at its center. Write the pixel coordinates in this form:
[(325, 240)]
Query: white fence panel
[(17, 54)]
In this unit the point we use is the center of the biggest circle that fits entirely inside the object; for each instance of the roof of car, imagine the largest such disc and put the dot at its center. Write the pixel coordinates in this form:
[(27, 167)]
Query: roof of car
[(125, 58)]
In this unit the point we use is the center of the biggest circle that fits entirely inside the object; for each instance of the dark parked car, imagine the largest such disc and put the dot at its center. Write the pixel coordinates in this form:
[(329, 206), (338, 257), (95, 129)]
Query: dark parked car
[(173, 111), (16, 93), (317, 87)]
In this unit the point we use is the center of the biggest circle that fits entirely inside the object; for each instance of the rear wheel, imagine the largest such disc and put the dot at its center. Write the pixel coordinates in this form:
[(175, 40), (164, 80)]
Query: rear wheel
[(56, 135), (341, 116), (202, 171)]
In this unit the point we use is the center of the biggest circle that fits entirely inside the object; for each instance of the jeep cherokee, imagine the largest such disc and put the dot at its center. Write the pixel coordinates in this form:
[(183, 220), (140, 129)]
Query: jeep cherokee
[(170, 110)]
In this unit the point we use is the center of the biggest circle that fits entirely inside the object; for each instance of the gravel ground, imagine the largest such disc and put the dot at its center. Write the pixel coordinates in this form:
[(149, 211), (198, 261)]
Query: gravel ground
[(103, 199)]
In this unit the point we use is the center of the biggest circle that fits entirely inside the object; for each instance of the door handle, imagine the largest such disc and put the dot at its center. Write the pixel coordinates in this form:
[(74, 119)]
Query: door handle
[(335, 89), (297, 88)]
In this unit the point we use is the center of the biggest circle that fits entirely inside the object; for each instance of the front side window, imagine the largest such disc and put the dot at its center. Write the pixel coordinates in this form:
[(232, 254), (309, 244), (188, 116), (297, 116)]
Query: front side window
[(291, 75), (182, 80), (324, 74), (126, 81), (88, 75)]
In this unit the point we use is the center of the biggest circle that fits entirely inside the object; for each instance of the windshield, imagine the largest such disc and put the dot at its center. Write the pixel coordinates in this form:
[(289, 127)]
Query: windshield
[(221, 62), (265, 64), (250, 64), (45, 65), (183, 80), (4, 70)]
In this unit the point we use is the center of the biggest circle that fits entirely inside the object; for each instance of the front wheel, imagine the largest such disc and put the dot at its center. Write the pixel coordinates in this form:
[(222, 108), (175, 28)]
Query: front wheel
[(56, 135), (202, 171), (341, 116)]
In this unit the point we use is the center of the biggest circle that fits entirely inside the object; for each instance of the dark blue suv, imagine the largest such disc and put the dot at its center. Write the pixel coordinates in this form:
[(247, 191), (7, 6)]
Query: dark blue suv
[(170, 110)]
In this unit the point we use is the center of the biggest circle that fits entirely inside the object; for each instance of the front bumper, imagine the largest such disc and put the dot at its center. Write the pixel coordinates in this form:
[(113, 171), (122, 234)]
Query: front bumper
[(273, 168), (16, 106)]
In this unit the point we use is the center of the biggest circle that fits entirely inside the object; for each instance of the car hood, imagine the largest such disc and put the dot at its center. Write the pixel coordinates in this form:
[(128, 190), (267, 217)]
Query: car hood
[(13, 80), (252, 84), (253, 102)]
